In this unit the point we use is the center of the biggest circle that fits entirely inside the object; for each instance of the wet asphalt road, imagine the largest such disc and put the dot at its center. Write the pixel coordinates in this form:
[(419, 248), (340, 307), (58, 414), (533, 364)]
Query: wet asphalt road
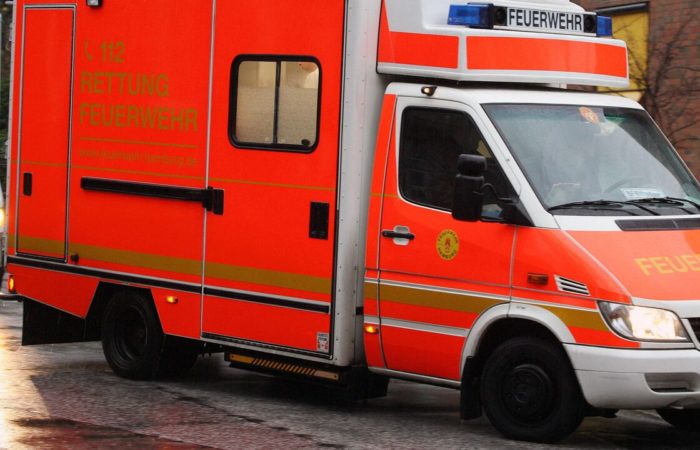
[(65, 397)]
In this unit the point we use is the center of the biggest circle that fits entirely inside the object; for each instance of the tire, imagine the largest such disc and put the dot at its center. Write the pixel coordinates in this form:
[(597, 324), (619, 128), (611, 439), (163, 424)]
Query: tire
[(132, 338), (178, 357), (530, 392), (682, 419)]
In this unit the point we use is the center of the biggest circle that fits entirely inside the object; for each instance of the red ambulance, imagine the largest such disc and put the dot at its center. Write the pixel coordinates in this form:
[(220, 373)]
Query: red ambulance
[(356, 190)]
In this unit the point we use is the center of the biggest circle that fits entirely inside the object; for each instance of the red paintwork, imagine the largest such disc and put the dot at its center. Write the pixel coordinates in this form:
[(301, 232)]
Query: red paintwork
[(558, 55), (656, 265), (171, 316), (416, 48), (67, 292), (422, 353), (44, 133), (270, 324)]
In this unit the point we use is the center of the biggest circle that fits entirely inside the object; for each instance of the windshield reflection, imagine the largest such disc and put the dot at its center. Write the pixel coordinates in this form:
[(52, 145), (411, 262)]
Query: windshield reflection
[(575, 153)]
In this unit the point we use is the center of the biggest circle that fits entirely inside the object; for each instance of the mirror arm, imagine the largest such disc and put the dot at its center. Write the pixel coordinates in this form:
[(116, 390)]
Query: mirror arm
[(512, 209)]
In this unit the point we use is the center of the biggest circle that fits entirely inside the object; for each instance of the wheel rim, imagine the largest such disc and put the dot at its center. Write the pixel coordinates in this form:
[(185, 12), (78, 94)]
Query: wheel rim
[(528, 393), (131, 334)]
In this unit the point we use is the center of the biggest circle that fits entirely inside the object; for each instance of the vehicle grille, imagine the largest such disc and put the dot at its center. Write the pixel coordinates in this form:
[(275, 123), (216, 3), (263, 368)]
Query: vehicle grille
[(695, 325)]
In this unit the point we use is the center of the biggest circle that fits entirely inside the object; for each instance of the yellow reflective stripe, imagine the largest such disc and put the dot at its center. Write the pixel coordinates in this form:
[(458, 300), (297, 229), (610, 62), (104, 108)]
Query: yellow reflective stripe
[(146, 260), (307, 283), (267, 184), (133, 142), (435, 299), (591, 320), (265, 277), (138, 172), (371, 290), (43, 163), (40, 245)]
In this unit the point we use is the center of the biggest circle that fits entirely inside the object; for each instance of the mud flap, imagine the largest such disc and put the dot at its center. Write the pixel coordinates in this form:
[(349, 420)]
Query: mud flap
[(42, 324)]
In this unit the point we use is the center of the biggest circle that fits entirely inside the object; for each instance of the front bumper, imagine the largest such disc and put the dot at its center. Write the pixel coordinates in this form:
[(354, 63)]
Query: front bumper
[(637, 379)]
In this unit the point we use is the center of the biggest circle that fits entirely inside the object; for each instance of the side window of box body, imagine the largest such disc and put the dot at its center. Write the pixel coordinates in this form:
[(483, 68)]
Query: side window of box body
[(275, 103)]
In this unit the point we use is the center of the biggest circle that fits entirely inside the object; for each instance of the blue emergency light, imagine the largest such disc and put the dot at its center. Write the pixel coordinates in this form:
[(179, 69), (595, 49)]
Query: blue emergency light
[(473, 15), (604, 26)]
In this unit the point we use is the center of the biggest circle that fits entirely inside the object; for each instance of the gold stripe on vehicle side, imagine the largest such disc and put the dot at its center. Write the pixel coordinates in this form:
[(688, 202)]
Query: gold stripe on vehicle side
[(135, 142), (29, 243), (308, 283), (139, 172), (43, 164), (591, 320), (267, 184), (138, 259), (436, 299), (371, 290), (288, 280)]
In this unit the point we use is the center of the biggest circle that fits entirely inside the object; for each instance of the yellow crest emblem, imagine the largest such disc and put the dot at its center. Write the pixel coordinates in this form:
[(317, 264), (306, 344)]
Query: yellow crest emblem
[(447, 244)]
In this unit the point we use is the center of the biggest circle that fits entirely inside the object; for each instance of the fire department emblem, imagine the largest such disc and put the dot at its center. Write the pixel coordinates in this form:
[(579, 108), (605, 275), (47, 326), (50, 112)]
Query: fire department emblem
[(447, 244)]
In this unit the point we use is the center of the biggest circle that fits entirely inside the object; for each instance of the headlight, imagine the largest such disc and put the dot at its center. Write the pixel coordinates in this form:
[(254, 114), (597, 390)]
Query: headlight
[(643, 324), (2, 217)]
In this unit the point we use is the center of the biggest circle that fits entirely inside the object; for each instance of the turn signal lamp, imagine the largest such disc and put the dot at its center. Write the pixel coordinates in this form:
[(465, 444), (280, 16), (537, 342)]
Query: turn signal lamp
[(538, 278), (476, 16), (371, 329), (604, 26), (171, 299), (11, 285)]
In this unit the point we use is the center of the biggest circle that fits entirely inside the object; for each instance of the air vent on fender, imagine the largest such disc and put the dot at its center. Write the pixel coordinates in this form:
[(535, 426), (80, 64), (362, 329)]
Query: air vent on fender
[(574, 287)]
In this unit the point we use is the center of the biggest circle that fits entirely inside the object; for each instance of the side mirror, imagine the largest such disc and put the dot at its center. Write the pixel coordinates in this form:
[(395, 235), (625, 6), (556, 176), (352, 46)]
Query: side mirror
[(468, 196)]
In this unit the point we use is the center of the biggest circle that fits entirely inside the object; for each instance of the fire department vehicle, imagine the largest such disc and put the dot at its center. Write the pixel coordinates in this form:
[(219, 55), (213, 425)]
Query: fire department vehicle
[(352, 191)]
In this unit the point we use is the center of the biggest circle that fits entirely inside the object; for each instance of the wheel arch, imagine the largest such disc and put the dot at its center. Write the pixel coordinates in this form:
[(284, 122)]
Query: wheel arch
[(494, 327), (103, 294)]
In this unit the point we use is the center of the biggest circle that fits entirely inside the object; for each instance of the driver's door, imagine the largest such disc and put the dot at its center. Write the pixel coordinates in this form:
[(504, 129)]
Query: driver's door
[(437, 274)]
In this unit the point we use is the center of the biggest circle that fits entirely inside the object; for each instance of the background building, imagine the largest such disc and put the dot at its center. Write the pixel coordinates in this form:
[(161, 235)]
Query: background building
[(664, 54)]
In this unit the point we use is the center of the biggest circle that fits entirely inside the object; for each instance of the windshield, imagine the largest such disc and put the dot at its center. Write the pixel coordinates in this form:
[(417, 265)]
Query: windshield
[(587, 157)]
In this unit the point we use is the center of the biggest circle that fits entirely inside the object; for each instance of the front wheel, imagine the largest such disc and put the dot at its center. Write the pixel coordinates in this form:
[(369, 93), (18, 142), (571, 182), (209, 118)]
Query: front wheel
[(682, 419), (132, 338), (530, 392)]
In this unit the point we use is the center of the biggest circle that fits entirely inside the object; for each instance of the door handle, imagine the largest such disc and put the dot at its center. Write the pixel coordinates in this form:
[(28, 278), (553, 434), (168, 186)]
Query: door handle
[(398, 234)]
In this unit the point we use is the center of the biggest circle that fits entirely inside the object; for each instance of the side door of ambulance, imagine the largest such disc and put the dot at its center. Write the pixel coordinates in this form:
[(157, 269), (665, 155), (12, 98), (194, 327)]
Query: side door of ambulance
[(274, 155), (437, 274), (44, 130)]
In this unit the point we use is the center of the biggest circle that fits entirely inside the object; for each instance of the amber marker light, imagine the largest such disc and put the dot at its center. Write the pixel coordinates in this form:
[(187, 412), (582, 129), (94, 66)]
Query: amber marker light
[(537, 278), (171, 299), (371, 329), (11, 285)]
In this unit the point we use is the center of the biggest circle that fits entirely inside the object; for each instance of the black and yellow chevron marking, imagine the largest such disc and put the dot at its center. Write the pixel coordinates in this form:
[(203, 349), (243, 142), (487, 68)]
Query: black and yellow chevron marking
[(280, 366)]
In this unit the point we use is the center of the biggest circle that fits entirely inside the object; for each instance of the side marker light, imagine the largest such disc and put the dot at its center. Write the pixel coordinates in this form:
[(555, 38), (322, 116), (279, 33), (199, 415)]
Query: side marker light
[(540, 279), (371, 329), (171, 299), (11, 285)]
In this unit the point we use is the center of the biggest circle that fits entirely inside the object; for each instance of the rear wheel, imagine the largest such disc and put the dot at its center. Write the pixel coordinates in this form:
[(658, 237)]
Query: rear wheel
[(132, 338), (683, 419), (178, 357), (530, 392)]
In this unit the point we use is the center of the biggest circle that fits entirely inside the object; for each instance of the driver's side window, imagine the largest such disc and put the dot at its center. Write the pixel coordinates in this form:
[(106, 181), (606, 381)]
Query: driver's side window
[(431, 141)]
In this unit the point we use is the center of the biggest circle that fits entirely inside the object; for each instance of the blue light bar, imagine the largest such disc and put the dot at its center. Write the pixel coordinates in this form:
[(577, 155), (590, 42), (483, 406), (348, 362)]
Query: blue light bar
[(604, 26), (473, 15)]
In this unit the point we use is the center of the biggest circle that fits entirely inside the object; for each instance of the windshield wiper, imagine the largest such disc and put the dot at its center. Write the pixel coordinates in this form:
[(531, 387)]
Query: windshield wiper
[(669, 201), (597, 203)]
